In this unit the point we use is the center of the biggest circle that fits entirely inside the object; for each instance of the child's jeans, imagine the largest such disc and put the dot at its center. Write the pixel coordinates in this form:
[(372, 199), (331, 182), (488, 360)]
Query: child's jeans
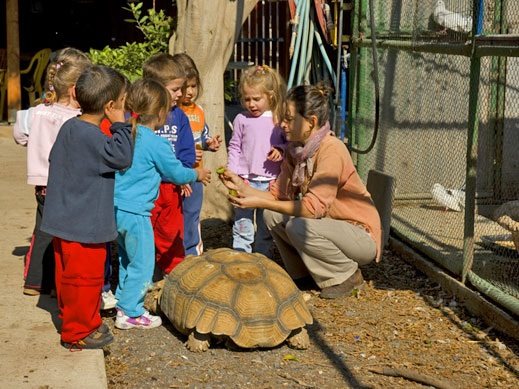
[(243, 228), (191, 207)]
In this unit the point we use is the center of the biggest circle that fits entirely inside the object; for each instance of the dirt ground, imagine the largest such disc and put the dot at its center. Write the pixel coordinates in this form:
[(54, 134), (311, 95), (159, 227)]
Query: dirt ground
[(400, 320)]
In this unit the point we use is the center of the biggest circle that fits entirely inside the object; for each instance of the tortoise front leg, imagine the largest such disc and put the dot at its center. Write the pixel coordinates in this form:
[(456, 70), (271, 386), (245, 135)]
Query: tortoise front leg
[(197, 342), (299, 339)]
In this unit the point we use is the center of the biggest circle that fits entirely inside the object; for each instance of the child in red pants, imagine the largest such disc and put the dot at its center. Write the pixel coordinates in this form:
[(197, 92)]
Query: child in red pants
[(79, 207)]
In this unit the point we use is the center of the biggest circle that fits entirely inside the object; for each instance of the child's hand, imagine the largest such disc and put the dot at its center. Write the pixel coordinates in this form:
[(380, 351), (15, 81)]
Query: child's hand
[(198, 155), (114, 110), (213, 144), (274, 155), (204, 175), (186, 190)]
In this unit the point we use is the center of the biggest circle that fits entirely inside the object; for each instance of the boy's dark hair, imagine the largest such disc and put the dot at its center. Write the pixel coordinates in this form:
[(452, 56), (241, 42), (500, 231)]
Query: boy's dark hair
[(96, 86), (163, 68)]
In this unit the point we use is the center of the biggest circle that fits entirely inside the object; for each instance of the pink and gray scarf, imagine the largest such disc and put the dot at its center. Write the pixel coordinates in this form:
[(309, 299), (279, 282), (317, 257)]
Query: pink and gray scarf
[(303, 154)]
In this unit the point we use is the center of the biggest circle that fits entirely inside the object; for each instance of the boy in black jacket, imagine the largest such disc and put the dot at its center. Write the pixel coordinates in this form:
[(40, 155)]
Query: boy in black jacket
[(79, 208)]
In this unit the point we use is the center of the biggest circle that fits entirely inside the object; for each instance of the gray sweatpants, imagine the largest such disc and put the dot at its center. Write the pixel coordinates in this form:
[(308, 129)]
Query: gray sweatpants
[(328, 250)]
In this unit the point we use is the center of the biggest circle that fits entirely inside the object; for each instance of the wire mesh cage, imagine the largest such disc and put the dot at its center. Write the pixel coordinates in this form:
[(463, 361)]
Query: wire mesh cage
[(449, 122)]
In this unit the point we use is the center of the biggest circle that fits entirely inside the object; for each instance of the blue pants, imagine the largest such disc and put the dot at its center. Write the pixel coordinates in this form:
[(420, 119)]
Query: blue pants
[(191, 207), (243, 229), (136, 261)]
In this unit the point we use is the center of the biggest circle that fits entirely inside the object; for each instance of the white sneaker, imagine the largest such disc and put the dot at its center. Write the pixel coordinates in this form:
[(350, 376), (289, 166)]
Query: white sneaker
[(108, 300), (146, 320)]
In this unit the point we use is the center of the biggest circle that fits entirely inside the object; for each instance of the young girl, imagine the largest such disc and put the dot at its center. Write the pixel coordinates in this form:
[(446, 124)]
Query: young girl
[(43, 123), (135, 192), (193, 197), (256, 149)]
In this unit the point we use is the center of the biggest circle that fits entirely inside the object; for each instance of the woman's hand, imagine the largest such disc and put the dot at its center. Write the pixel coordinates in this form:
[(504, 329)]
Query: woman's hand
[(250, 201), (231, 180)]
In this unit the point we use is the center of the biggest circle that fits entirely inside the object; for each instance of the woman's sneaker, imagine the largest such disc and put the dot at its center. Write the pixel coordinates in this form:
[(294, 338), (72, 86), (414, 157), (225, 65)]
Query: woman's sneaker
[(108, 300), (146, 320)]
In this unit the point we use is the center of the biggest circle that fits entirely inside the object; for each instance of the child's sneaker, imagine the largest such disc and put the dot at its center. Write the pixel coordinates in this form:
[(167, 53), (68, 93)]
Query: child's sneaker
[(146, 320), (108, 300), (95, 340)]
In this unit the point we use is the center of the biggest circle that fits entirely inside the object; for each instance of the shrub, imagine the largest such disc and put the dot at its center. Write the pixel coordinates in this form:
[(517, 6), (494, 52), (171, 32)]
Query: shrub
[(128, 59)]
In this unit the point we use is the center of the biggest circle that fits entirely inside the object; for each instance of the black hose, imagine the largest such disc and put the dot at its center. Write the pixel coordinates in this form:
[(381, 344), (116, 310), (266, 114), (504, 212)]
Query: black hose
[(375, 81)]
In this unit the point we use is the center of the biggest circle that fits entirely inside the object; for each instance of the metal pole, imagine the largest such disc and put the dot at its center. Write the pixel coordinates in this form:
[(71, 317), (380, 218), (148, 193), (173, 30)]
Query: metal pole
[(471, 155)]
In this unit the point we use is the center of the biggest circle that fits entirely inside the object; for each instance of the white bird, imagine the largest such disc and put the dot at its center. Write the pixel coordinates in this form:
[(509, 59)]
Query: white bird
[(449, 198), (451, 20)]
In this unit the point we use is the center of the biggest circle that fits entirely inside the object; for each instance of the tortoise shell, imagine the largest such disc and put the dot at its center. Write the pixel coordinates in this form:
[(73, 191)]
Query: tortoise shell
[(223, 292)]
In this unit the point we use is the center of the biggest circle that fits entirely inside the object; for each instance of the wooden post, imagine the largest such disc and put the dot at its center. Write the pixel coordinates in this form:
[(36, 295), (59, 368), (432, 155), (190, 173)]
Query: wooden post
[(13, 60)]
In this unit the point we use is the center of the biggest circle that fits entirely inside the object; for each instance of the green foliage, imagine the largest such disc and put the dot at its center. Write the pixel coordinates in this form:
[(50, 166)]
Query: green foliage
[(229, 92), (128, 59)]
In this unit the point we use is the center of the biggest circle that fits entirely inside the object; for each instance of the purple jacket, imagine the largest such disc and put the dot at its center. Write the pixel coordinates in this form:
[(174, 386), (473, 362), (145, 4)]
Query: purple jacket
[(252, 139)]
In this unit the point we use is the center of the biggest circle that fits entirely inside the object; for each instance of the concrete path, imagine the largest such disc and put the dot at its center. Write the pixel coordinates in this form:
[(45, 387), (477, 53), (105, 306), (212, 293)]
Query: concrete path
[(30, 353)]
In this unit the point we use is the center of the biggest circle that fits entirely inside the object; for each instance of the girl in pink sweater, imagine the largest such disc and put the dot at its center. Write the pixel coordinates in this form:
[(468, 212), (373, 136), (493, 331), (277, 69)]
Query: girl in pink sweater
[(37, 129)]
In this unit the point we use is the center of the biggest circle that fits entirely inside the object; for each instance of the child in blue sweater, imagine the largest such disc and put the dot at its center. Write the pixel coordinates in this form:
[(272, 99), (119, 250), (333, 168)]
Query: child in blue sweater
[(136, 189)]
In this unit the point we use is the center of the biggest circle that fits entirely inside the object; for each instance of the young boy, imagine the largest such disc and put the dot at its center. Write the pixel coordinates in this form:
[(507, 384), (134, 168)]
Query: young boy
[(79, 207), (166, 217)]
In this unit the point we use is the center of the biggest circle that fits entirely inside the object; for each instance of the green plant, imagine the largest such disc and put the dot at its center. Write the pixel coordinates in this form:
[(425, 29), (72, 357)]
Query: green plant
[(128, 58), (229, 91)]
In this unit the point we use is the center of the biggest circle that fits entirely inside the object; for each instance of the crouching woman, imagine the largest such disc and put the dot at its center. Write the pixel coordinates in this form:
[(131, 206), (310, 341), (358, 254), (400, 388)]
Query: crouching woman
[(319, 212)]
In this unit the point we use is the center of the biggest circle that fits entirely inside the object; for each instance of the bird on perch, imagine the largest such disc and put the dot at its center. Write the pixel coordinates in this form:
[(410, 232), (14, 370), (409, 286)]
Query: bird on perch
[(450, 20)]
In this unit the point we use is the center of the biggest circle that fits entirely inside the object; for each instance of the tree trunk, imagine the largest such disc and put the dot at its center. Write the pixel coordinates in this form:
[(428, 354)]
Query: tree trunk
[(206, 31)]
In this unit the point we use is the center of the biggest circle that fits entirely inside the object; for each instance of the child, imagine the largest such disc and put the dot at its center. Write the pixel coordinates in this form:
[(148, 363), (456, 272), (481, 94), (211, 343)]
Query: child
[(43, 123), (166, 217), (79, 208), (192, 204), (135, 191), (256, 149)]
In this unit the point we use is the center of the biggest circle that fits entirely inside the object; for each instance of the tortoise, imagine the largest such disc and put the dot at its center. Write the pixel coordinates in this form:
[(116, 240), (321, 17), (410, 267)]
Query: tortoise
[(234, 295)]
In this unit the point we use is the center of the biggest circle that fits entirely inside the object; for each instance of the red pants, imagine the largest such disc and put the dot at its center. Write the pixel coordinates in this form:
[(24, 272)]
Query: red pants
[(168, 227), (79, 281)]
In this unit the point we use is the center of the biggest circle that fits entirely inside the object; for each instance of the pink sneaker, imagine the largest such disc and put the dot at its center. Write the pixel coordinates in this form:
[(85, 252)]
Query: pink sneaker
[(146, 320)]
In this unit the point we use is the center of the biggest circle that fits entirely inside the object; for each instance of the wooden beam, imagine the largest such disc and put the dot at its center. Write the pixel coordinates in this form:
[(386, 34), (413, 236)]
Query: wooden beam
[(473, 301), (13, 60)]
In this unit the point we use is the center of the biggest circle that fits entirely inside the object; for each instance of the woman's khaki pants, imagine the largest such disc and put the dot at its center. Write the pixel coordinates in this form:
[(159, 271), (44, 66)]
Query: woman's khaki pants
[(328, 250)]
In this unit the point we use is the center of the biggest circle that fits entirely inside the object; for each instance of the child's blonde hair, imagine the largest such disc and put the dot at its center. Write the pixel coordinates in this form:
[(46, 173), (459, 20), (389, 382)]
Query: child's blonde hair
[(163, 68), (268, 81), (147, 100), (63, 72)]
